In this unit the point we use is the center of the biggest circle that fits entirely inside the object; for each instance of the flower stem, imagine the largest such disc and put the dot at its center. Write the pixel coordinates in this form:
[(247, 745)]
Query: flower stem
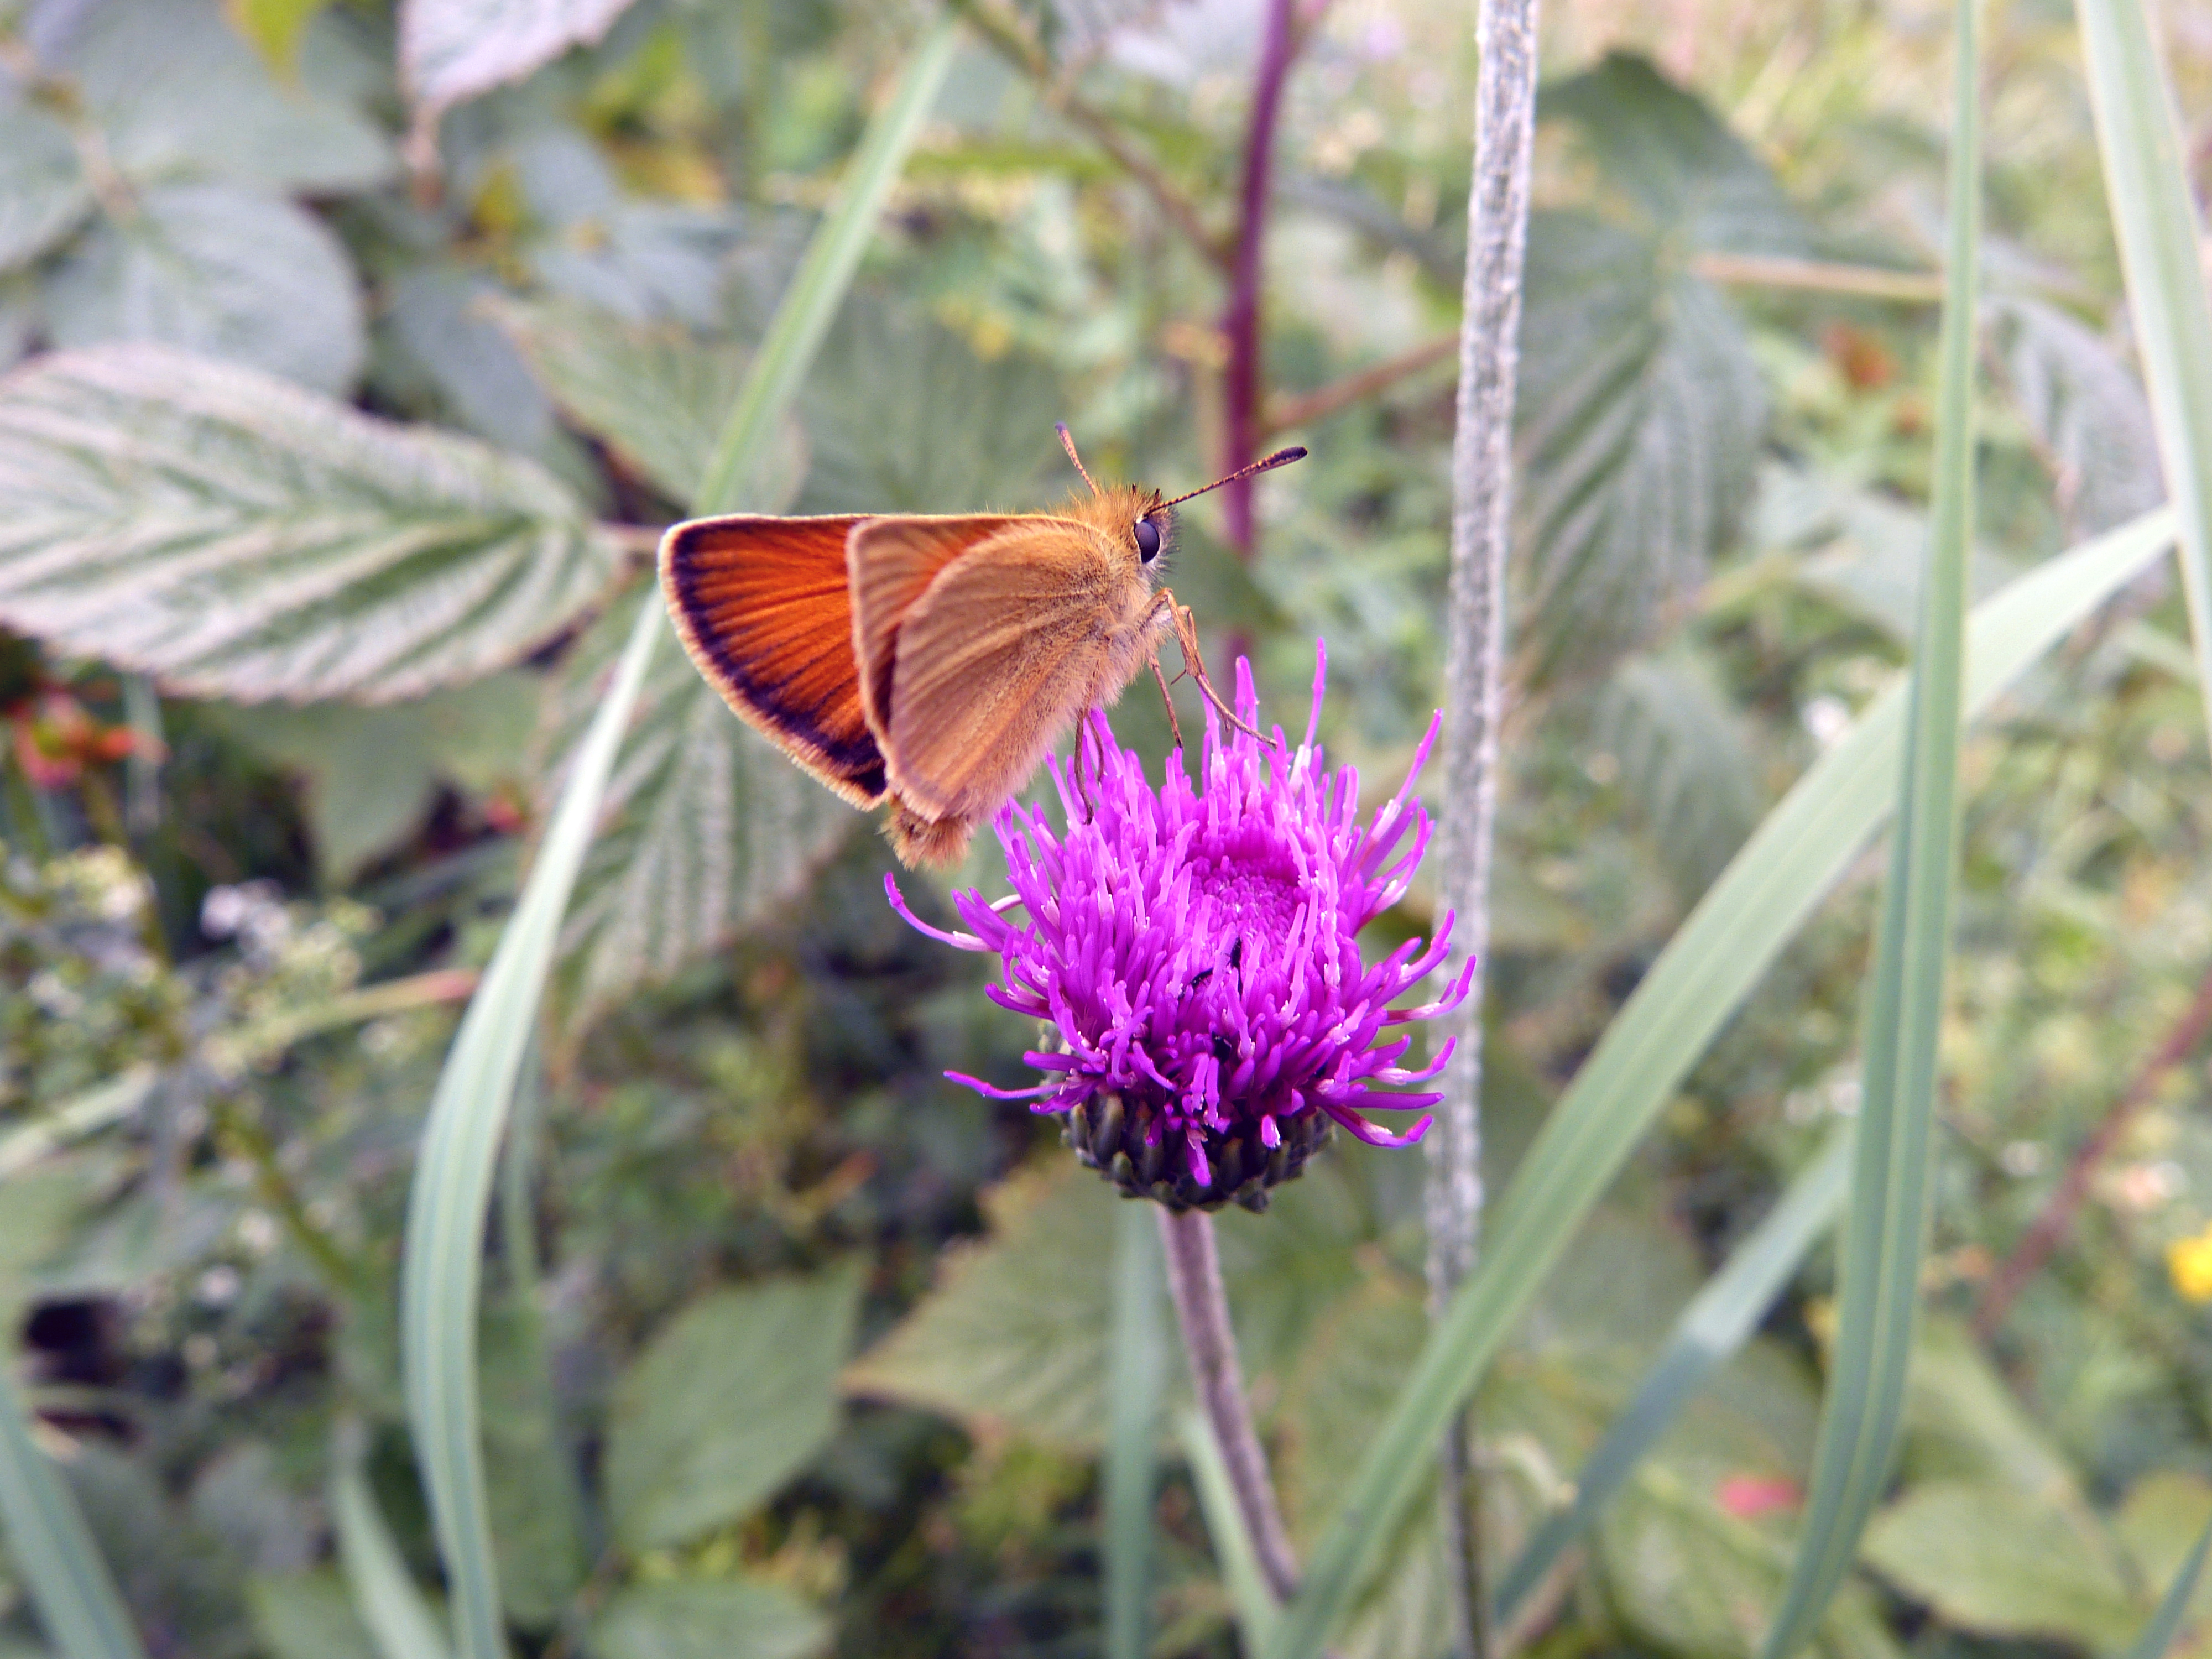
[(1194, 1277), (1474, 686)]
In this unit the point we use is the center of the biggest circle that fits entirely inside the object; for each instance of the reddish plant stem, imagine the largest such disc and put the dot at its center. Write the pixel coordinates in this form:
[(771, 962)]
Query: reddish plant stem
[(1239, 324), (1210, 1347), (2056, 1219)]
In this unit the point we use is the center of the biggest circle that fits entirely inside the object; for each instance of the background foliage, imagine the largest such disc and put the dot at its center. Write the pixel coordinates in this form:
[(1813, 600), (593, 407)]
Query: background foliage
[(355, 357)]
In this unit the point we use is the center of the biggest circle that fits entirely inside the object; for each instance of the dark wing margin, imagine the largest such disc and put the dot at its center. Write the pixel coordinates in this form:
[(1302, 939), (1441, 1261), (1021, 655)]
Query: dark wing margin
[(762, 607)]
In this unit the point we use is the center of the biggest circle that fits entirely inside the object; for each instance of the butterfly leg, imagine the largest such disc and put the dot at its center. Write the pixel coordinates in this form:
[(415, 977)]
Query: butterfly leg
[(1174, 726), (1186, 633)]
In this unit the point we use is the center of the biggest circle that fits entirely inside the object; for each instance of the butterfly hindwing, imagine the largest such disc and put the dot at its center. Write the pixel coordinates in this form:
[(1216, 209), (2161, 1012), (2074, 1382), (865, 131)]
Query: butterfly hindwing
[(762, 606), (1010, 642)]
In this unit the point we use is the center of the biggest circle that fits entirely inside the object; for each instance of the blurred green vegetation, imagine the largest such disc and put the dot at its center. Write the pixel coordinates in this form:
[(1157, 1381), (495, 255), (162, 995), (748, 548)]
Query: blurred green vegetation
[(793, 1346)]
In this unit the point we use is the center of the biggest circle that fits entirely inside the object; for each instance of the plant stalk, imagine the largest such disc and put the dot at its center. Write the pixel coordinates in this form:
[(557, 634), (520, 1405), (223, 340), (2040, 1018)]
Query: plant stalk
[(1239, 324), (1210, 1346), (1475, 689)]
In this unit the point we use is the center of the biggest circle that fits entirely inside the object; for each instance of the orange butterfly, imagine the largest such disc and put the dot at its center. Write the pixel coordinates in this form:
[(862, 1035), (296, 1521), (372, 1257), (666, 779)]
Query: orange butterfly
[(931, 659)]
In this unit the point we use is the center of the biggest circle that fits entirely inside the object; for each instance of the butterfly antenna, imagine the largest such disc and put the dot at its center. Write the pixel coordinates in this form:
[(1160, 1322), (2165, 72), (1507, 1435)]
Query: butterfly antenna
[(1280, 458), (1067, 443)]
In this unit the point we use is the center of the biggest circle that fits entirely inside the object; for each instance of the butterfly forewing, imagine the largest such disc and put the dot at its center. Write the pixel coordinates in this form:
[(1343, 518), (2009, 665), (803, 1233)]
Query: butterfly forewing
[(1010, 642), (762, 606)]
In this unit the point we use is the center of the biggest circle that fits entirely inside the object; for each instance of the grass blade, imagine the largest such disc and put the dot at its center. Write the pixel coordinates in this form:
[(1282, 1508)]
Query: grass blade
[(1140, 1367), (1886, 1231), (441, 1274), (55, 1558), (398, 1619), (1257, 1615), (442, 1271), (1711, 1328), (2165, 1624), (1773, 884), (819, 286), (2154, 216)]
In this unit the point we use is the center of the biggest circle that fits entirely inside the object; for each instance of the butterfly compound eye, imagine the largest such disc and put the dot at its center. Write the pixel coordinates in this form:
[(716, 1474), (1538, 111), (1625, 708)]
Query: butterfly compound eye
[(1148, 540)]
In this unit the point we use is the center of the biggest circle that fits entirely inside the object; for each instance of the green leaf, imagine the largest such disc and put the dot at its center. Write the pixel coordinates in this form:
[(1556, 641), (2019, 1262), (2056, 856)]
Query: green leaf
[(819, 286), (1641, 410), (732, 1400), (442, 1264), (308, 1615), (52, 1548), (1990, 1563), (1777, 880), (1140, 1350), (1711, 1328), (177, 95), (655, 393), (384, 1599), (214, 269), (453, 49), (717, 1618), (1886, 1230), (239, 538), (42, 193), (2154, 217), (1014, 1333)]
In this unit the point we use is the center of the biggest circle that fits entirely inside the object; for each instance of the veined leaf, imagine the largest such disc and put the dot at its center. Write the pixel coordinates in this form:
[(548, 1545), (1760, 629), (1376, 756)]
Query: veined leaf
[(1774, 883), (239, 538), (2154, 216), (1014, 1333), (727, 1403), (1641, 410), (1885, 1232), (52, 1548), (1669, 160), (453, 50), (214, 269), (708, 826)]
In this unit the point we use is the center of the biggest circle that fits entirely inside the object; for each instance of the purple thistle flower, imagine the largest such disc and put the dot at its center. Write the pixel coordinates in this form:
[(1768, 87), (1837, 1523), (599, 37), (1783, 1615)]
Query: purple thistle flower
[(1195, 955)]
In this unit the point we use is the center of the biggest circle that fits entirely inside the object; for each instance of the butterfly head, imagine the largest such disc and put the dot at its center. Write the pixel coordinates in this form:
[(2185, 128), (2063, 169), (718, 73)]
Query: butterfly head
[(1144, 520)]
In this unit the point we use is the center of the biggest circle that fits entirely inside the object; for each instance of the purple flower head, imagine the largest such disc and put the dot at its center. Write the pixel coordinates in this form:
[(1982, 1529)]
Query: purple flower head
[(1194, 956)]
